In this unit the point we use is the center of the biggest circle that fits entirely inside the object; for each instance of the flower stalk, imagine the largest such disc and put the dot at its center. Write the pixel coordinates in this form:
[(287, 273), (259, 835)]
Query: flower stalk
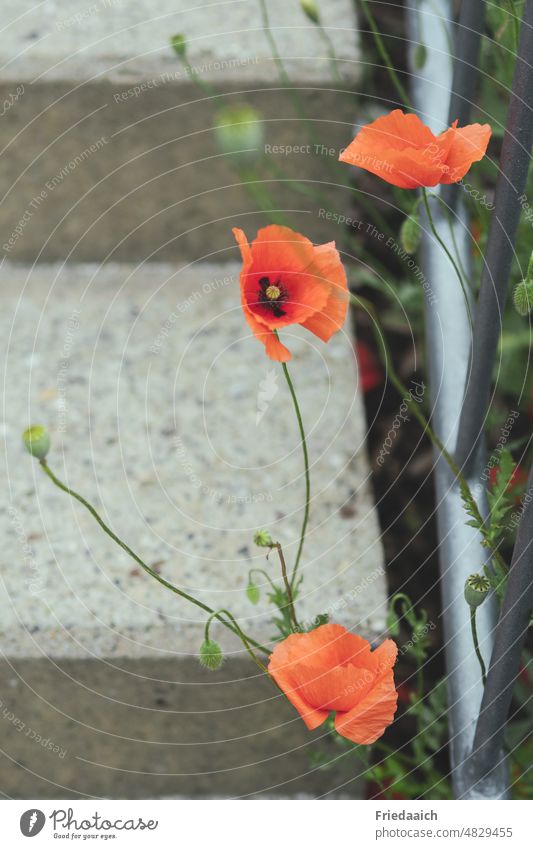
[(232, 626), (303, 439)]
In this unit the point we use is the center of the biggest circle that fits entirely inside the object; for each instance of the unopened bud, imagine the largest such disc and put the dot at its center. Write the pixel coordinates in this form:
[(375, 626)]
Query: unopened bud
[(179, 45), (239, 130), (37, 441), (252, 591), (263, 539), (419, 56), (311, 10), (410, 233), (476, 589), (211, 656)]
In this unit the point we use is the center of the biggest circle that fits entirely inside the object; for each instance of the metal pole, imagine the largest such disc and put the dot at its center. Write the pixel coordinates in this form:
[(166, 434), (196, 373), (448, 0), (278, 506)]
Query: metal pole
[(514, 165), (509, 642), (448, 335)]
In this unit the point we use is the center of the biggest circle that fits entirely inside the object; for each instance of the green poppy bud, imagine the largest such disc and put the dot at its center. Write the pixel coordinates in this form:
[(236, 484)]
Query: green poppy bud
[(410, 234), (37, 441), (263, 539), (252, 591), (179, 45), (211, 656), (476, 589), (239, 130), (419, 56), (523, 297), (311, 10)]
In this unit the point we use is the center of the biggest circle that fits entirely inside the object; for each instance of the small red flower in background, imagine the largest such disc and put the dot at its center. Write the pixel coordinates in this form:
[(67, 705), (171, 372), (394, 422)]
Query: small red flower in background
[(370, 373), (285, 279), (517, 480), (330, 669), (401, 150)]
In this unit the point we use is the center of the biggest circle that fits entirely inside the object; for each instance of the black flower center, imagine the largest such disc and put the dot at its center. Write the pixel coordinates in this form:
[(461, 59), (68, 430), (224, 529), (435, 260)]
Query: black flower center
[(272, 295)]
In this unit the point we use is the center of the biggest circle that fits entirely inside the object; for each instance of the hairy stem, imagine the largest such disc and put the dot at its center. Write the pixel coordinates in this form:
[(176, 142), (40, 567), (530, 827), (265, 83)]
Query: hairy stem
[(88, 506), (307, 475)]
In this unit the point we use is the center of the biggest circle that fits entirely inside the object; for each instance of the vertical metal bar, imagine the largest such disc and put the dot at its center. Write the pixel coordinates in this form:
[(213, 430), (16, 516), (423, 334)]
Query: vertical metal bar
[(514, 165), (467, 42), (509, 642), (448, 336)]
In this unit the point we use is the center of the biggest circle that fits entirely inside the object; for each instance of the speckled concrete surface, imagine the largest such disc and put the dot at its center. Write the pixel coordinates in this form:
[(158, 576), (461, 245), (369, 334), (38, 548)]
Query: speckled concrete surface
[(128, 41), (167, 414), (134, 730)]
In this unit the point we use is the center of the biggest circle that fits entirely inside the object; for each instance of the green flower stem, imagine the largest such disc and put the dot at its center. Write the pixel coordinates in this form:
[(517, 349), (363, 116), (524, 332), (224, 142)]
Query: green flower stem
[(262, 572), (307, 475), (283, 75), (288, 587), (447, 252), (414, 407), (446, 210), (242, 635), (195, 78), (384, 53), (236, 630), (258, 191), (332, 55), (335, 167), (475, 640)]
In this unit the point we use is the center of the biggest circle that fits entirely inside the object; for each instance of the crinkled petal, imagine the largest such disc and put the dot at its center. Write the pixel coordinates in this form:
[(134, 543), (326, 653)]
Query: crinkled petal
[(367, 721)]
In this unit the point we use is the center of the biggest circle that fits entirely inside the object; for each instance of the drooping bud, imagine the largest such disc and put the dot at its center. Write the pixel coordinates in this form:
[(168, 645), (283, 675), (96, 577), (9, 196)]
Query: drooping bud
[(179, 44), (252, 591), (263, 539), (419, 56), (523, 297), (311, 10), (476, 589), (211, 656), (410, 233), (239, 130), (37, 441)]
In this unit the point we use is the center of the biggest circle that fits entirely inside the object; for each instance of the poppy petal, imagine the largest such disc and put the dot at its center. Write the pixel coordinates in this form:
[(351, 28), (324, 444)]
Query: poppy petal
[(283, 255), (281, 668), (330, 318), (469, 145), (396, 131), (274, 348), (367, 721), (401, 150)]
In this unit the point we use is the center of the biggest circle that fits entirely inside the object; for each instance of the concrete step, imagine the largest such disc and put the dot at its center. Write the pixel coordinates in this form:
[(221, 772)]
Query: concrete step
[(108, 151), (154, 393)]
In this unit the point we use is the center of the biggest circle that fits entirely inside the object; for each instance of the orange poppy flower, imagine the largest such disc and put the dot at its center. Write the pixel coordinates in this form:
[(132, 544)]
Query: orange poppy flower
[(330, 669), (285, 279), (401, 150)]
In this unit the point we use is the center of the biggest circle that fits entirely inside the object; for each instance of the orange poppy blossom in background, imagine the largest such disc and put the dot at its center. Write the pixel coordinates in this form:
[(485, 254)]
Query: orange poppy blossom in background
[(400, 149), (285, 279), (331, 669)]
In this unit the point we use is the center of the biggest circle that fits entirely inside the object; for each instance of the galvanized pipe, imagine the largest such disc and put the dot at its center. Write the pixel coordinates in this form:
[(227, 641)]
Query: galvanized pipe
[(448, 335)]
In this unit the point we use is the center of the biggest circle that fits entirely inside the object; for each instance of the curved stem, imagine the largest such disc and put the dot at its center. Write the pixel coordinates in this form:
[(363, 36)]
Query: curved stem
[(384, 53), (236, 630), (288, 587), (307, 476), (332, 55), (447, 252), (262, 572), (414, 407), (476, 645), (242, 635)]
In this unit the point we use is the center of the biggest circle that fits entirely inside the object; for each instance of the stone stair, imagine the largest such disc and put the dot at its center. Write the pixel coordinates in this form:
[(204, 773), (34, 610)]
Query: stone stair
[(122, 331)]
